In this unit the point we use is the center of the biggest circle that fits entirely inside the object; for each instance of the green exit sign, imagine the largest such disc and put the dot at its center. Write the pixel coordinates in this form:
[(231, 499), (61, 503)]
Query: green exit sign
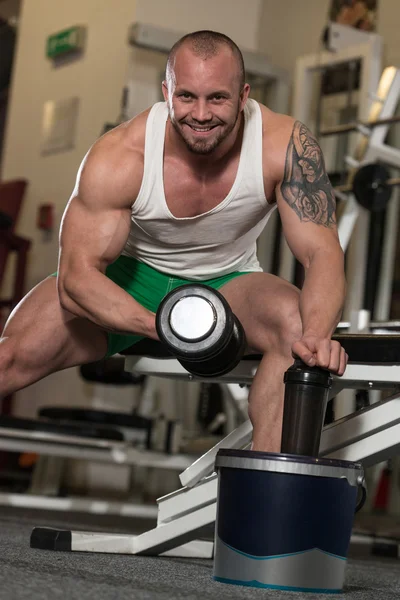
[(65, 42)]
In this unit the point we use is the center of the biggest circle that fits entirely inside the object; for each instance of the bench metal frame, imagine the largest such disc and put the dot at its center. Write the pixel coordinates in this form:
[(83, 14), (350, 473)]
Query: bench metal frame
[(369, 436)]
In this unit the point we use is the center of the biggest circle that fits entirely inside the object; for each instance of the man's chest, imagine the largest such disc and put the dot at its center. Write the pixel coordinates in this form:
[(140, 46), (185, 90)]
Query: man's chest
[(189, 193)]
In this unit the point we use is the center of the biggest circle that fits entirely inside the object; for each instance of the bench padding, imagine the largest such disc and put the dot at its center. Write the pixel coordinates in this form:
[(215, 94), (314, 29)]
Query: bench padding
[(361, 348)]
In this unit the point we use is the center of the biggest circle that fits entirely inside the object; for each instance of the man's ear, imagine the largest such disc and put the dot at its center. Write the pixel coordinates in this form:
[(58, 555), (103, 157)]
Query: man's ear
[(244, 94), (164, 89)]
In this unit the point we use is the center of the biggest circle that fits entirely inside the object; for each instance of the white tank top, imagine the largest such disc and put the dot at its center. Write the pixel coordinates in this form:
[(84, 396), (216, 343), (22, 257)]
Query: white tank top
[(215, 243)]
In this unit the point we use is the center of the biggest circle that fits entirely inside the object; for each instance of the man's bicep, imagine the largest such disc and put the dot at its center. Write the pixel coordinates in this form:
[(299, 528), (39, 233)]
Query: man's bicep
[(96, 222), (305, 197), (92, 236)]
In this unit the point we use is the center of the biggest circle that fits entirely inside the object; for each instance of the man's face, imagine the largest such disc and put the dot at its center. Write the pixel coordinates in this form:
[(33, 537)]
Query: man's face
[(204, 98)]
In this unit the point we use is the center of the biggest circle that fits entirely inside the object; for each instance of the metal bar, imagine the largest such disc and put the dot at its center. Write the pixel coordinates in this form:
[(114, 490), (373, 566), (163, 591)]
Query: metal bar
[(349, 127), (160, 540), (393, 325), (374, 449), (205, 464), (80, 504), (346, 188), (359, 426), (176, 533), (20, 440), (109, 543), (47, 476), (186, 500), (348, 221)]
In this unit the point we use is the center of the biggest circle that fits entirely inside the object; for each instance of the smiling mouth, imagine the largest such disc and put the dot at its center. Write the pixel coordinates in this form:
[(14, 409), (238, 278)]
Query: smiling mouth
[(201, 129)]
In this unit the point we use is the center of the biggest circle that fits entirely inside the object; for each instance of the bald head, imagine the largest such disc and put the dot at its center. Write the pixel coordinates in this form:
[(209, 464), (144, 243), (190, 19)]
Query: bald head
[(205, 45), (205, 92)]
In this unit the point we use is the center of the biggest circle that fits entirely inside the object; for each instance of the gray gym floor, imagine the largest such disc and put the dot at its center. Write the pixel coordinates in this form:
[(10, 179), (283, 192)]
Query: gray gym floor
[(43, 575)]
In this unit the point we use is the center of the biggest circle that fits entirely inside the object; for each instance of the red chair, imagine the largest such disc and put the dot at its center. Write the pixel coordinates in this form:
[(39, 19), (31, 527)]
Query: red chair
[(11, 198)]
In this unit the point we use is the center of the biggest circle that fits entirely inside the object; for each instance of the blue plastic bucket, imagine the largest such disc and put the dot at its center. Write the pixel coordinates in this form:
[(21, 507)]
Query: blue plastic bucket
[(284, 521)]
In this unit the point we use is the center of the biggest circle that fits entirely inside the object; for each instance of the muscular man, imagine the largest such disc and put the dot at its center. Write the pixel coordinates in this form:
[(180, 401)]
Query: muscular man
[(180, 193)]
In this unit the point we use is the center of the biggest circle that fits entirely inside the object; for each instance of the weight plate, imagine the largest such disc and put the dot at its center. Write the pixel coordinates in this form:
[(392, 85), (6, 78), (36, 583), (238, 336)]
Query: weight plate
[(192, 318), (223, 361), (212, 342), (370, 188)]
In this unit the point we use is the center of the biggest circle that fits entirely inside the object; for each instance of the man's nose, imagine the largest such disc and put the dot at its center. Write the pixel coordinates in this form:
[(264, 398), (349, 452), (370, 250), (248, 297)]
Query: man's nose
[(201, 111)]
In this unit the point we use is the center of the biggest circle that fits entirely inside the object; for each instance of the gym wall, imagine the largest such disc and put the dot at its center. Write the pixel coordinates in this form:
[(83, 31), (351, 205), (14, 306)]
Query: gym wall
[(290, 28), (237, 18), (388, 28)]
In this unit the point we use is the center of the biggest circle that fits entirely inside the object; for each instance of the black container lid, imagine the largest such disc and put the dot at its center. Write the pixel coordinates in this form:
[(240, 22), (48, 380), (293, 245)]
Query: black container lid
[(299, 372)]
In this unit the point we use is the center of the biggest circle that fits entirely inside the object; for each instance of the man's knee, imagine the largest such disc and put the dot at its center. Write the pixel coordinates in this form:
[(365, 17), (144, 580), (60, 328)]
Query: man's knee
[(291, 326), (19, 352), (7, 354), (285, 326)]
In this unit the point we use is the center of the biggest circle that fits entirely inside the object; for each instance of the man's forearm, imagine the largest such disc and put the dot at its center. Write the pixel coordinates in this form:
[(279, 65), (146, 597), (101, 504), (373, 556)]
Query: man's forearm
[(93, 296), (323, 293)]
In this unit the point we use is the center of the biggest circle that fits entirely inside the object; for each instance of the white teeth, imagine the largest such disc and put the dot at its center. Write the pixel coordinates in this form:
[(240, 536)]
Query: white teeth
[(196, 129)]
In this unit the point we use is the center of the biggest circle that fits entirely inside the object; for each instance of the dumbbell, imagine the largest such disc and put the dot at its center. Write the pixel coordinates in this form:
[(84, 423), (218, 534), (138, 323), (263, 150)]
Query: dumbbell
[(199, 328)]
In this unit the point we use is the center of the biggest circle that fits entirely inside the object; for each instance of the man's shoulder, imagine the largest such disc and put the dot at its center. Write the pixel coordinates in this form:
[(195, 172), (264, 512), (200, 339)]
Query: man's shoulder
[(118, 156), (121, 150), (277, 131), (276, 125), (127, 138)]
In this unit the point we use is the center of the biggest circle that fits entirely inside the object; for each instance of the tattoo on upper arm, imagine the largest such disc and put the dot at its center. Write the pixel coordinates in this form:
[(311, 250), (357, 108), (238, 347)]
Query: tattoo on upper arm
[(306, 186)]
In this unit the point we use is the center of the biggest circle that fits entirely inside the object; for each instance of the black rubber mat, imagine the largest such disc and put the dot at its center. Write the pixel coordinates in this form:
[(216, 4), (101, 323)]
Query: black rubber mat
[(34, 574)]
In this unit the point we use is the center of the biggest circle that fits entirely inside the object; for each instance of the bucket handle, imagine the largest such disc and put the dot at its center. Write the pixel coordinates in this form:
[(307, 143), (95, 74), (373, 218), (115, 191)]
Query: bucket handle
[(363, 498)]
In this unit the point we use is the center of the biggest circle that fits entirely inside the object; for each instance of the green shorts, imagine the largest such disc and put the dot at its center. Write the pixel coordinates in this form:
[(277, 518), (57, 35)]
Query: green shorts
[(148, 287)]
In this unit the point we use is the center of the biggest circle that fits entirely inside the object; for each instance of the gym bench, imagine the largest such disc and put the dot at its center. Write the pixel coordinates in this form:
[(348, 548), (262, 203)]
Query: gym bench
[(370, 436)]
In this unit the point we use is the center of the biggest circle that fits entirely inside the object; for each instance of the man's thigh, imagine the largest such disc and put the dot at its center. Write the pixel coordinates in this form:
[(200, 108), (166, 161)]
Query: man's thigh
[(149, 287), (46, 338), (267, 306)]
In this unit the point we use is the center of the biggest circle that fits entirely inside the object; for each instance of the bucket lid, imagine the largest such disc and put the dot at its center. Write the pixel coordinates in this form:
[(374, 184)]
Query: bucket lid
[(291, 464)]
